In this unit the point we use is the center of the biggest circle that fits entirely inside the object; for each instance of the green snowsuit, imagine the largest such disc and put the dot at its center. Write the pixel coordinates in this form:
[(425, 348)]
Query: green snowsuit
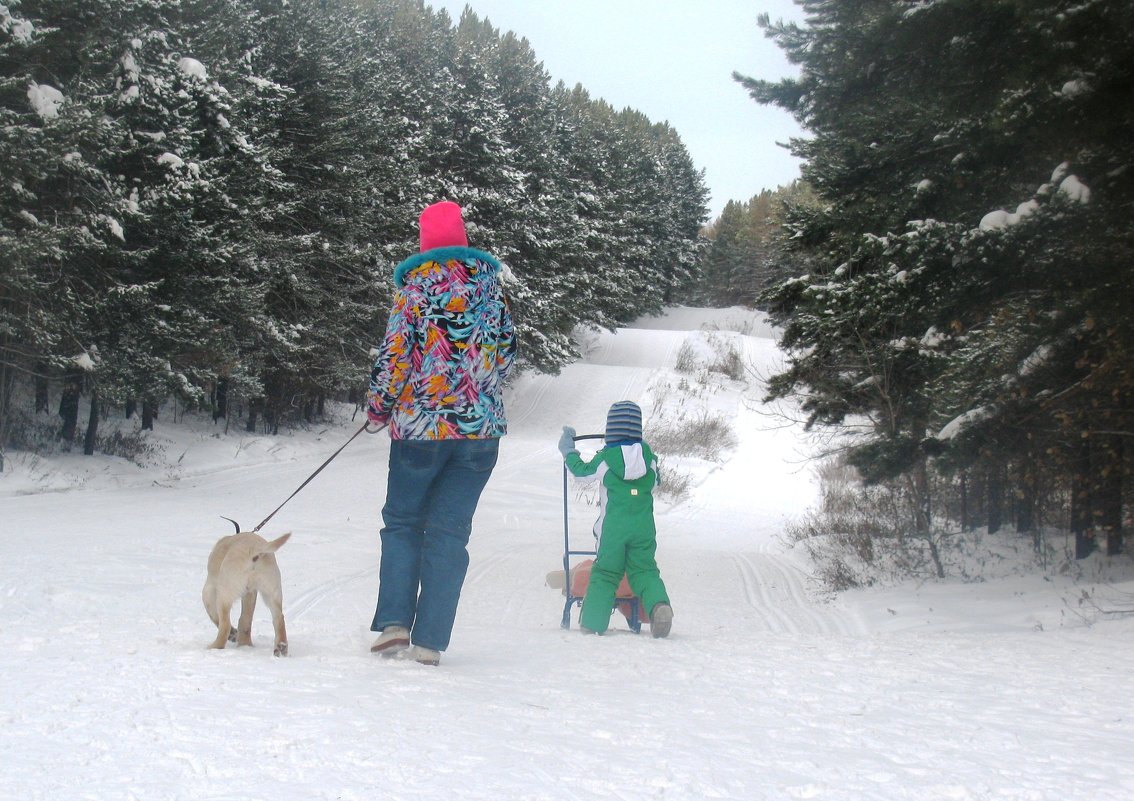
[(627, 539)]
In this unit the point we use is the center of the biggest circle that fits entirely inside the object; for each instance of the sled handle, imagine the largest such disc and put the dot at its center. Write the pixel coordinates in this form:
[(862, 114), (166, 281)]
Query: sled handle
[(567, 552)]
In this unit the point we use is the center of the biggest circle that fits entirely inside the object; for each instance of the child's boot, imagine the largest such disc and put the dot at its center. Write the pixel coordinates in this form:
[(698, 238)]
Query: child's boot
[(661, 619)]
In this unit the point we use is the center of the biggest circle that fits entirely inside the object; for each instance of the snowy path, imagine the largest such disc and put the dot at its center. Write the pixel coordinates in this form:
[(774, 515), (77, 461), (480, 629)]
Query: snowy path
[(938, 693)]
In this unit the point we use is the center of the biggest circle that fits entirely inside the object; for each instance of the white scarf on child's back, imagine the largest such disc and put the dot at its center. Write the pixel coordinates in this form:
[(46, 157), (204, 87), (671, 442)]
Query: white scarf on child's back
[(634, 460)]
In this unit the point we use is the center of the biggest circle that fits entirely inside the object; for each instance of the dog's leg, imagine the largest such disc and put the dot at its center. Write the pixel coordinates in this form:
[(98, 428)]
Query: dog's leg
[(275, 603), (244, 626), (223, 624), (209, 597), (281, 636)]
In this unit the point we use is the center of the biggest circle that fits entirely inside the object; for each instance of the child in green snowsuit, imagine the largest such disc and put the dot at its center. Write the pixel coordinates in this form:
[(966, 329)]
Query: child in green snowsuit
[(627, 538)]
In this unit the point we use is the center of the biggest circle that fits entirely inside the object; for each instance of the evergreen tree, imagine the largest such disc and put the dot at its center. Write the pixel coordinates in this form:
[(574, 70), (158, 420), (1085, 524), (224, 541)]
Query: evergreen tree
[(683, 211), (747, 251), (543, 244), (336, 143), (923, 306), (63, 213), (726, 266), (603, 298), (201, 186)]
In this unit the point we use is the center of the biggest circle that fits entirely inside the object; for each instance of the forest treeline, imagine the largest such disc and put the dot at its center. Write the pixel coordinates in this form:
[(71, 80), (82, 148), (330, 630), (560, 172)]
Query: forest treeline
[(962, 298), (747, 251), (204, 200)]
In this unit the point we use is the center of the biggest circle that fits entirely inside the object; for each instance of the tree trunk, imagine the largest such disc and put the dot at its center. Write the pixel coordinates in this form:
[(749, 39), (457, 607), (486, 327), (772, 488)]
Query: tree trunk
[(922, 517), (1106, 495), (149, 414), (7, 381), (131, 408), (918, 484), (253, 414), (966, 522), (994, 487), (92, 426), (1081, 498), (42, 402), (69, 404), (1026, 501), (220, 400)]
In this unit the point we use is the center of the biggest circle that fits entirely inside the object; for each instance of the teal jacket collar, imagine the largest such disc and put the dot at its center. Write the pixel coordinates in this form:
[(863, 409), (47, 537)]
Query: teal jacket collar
[(440, 255)]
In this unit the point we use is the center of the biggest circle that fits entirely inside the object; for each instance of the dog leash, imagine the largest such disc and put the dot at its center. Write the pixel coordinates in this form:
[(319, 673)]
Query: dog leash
[(317, 471)]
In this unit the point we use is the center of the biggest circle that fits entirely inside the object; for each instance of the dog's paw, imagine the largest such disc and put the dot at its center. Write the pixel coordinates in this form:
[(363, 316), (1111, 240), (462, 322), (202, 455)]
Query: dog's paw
[(280, 649), (232, 635)]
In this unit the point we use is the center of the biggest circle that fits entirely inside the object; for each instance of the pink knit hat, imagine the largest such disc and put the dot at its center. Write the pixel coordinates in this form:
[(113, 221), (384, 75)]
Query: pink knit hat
[(442, 226)]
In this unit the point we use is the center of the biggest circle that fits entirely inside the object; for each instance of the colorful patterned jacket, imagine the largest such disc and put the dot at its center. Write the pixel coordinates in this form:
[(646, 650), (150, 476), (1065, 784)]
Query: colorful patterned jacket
[(449, 345)]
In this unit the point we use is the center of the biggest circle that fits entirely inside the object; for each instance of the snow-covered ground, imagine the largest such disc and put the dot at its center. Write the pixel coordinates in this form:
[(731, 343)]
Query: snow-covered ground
[(764, 690)]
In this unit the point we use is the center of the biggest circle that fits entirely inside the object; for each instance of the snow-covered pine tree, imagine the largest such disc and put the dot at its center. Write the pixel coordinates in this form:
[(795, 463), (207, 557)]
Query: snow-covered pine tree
[(189, 313), (755, 245), (607, 287), (725, 272), (339, 145), (543, 245), (953, 144), (683, 210), (64, 212)]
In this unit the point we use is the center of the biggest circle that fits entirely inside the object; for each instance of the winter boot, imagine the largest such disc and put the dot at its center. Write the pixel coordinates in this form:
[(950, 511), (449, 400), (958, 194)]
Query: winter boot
[(425, 656), (392, 640), (661, 619)]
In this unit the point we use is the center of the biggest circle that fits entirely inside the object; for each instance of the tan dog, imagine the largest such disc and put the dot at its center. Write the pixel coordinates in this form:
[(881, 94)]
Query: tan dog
[(240, 566)]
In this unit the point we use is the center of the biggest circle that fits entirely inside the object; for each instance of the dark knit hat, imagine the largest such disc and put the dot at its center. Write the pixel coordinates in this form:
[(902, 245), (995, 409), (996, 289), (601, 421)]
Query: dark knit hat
[(623, 422), (442, 226)]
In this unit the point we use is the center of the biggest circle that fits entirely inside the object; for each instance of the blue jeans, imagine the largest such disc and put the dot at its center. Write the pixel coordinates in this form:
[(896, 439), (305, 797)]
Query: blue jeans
[(431, 495)]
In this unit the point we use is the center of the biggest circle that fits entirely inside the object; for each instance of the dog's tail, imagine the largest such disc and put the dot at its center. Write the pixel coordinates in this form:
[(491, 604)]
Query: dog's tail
[(272, 546)]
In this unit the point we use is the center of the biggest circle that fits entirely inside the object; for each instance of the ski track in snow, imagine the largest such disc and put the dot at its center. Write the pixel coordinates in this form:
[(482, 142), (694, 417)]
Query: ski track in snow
[(761, 584), (303, 603), (523, 406)]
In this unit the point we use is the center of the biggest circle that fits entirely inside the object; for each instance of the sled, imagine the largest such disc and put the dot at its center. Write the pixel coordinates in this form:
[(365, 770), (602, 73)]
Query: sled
[(577, 570)]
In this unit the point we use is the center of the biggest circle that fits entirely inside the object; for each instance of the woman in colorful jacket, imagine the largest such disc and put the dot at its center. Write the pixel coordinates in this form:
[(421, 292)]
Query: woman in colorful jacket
[(437, 383), (625, 532)]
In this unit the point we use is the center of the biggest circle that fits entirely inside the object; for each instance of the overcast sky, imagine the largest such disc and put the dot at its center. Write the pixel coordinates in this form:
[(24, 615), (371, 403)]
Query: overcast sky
[(672, 60)]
